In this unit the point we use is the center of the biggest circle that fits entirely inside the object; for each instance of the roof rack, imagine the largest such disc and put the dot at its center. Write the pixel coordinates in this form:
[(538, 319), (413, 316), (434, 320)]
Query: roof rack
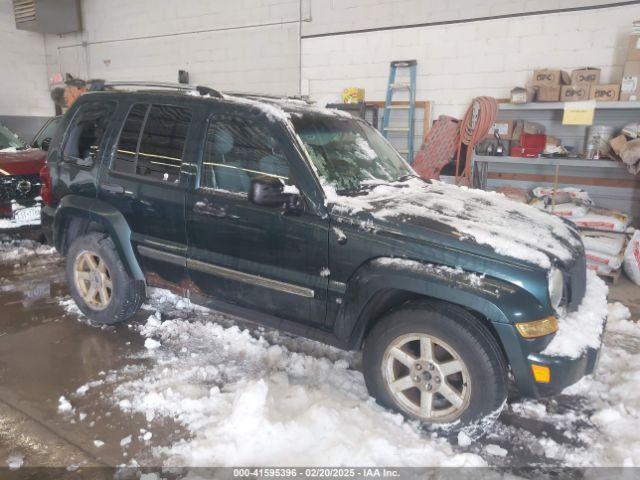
[(98, 85), (303, 98)]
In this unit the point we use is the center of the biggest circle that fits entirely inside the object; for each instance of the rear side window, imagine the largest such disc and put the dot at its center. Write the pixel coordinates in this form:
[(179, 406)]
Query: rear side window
[(157, 152), (125, 159), (86, 132)]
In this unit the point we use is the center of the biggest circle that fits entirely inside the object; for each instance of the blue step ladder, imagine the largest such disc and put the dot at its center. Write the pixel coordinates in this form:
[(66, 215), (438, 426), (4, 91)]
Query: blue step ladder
[(392, 87)]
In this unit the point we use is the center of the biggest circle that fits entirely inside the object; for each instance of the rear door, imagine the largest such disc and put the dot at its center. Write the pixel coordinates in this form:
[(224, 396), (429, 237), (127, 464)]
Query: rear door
[(250, 255), (145, 183)]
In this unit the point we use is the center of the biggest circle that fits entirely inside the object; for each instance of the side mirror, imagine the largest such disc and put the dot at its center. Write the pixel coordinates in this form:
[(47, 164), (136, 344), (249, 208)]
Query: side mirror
[(45, 143), (267, 191), (270, 192)]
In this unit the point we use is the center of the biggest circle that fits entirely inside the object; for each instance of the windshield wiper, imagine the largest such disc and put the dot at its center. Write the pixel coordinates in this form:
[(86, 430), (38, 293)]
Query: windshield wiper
[(406, 177)]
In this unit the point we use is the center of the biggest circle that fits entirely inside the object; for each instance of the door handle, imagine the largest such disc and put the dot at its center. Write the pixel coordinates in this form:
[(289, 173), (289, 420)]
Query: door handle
[(112, 188), (207, 208)]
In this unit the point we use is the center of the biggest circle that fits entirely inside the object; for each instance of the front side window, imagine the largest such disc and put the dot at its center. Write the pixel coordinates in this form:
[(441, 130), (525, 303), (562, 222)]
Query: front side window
[(156, 152), (348, 154), (238, 149), (86, 131)]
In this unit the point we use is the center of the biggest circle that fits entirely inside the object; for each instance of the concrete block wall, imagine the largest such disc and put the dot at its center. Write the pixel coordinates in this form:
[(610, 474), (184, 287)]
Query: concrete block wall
[(341, 15), (457, 62), (249, 45), (23, 84)]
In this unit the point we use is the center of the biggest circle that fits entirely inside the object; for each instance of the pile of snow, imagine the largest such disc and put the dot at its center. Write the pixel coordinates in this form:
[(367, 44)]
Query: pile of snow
[(510, 228), (604, 420), (246, 401), (14, 250), (583, 328)]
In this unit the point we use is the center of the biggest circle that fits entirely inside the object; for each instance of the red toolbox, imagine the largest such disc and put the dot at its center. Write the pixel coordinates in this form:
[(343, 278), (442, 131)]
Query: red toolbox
[(537, 141), (518, 151)]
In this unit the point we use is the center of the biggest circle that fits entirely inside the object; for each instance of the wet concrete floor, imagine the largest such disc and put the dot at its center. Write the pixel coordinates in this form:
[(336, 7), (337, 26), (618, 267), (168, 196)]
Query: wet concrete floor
[(45, 351)]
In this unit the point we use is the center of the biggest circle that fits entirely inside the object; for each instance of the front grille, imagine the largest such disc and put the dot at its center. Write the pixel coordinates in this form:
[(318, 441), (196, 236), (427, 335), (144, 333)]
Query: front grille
[(576, 283), (19, 187)]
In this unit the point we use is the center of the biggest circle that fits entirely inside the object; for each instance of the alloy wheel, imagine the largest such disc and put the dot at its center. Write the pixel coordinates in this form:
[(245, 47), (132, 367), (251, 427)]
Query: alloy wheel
[(93, 280), (426, 377)]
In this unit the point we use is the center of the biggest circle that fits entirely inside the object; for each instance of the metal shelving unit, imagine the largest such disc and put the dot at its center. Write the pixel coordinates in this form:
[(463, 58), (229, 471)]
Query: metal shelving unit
[(608, 181)]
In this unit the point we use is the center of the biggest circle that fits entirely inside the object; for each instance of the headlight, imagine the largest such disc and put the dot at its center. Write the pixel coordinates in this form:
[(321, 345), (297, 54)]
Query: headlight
[(556, 287), (538, 328)]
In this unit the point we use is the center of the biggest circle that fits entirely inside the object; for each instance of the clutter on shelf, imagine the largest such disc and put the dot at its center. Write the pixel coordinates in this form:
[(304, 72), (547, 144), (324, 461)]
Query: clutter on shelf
[(626, 146)]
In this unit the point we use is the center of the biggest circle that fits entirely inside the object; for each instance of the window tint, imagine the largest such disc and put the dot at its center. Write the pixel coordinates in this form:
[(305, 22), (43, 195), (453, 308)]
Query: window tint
[(86, 131), (159, 155), (125, 159), (238, 149)]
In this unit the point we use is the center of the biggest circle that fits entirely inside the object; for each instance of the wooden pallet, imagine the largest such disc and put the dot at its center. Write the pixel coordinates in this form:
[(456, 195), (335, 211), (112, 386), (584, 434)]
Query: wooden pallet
[(612, 277)]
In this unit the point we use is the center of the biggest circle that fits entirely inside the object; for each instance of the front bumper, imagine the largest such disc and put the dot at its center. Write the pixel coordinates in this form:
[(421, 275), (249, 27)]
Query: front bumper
[(564, 371), (569, 355)]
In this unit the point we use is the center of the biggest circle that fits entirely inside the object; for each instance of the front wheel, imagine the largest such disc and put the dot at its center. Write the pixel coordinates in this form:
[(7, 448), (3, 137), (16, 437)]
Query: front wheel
[(437, 363)]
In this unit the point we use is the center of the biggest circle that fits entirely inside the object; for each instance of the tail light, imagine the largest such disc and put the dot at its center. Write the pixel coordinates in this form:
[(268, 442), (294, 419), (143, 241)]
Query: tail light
[(45, 189)]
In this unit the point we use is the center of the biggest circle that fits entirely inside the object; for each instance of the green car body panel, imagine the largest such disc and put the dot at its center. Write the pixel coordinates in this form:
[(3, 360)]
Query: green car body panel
[(164, 233)]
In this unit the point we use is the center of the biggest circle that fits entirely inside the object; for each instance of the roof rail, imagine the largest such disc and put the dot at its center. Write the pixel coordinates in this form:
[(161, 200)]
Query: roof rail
[(97, 85), (304, 98)]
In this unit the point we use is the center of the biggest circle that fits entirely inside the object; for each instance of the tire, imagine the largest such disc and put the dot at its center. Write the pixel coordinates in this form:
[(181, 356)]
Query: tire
[(125, 294), (479, 388)]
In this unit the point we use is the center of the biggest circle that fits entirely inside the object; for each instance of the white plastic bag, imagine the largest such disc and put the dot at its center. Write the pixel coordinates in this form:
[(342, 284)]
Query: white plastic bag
[(567, 210), (632, 258), (602, 219), (609, 243), (613, 261), (599, 268)]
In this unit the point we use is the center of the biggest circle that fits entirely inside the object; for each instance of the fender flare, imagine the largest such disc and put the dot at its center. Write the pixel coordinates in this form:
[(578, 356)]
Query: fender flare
[(495, 299), (109, 217)]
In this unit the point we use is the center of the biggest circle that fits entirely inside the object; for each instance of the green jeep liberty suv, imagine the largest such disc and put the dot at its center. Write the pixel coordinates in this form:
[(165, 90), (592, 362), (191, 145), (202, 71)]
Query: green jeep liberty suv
[(307, 220)]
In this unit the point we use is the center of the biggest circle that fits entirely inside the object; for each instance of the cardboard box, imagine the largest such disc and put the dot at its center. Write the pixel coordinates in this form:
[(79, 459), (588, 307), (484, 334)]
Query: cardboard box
[(546, 77), (520, 95), (574, 93), (617, 143), (605, 93), (504, 127), (630, 87), (548, 93), (633, 52), (587, 75)]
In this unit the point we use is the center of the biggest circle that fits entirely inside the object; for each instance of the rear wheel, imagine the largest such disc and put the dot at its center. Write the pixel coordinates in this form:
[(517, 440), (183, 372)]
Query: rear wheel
[(98, 281), (435, 362)]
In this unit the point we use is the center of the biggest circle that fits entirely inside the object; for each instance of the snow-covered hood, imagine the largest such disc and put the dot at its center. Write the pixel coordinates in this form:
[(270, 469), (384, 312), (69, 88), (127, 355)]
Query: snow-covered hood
[(488, 219)]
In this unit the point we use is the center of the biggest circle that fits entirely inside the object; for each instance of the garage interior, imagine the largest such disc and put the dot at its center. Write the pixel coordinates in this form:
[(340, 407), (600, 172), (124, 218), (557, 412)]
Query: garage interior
[(538, 101)]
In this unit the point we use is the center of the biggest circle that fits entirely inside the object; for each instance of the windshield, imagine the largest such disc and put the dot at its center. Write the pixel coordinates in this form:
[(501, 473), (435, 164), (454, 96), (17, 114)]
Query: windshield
[(348, 154), (8, 139)]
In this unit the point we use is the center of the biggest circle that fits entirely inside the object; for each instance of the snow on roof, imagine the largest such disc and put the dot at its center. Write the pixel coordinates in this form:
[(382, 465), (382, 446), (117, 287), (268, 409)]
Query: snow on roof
[(510, 228)]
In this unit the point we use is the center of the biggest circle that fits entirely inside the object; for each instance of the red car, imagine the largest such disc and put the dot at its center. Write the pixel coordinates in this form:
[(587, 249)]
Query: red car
[(20, 165)]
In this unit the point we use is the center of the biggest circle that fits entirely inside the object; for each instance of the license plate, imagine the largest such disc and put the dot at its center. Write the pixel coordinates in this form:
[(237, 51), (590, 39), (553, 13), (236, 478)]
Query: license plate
[(27, 215)]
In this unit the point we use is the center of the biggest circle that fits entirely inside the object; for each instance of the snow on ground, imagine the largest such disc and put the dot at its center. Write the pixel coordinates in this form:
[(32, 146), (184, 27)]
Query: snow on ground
[(247, 401), (14, 250), (260, 397)]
